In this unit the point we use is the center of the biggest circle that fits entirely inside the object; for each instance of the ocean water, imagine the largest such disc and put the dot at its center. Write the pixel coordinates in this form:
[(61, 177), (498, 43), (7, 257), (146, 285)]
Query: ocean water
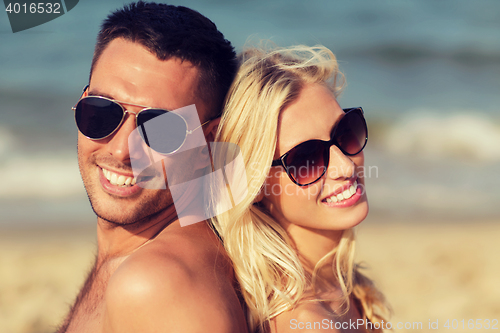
[(426, 72)]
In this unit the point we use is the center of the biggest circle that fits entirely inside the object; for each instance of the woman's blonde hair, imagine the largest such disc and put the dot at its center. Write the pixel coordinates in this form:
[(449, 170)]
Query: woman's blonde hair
[(268, 269)]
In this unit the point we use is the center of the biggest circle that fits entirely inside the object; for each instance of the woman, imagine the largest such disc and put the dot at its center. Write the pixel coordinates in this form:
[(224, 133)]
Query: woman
[(291, 238)]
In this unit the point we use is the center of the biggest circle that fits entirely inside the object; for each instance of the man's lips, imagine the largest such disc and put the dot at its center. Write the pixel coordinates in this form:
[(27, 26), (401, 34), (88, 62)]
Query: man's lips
[(117, 184), (119, 179), (126, 184)]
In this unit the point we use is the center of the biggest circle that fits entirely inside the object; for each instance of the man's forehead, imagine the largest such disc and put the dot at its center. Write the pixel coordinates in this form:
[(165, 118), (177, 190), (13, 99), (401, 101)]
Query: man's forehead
[(137, 57), (127, 71)]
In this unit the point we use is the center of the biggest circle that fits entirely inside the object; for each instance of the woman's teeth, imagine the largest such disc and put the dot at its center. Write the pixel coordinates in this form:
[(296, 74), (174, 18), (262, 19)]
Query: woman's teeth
[(344, 195), (119, 180)]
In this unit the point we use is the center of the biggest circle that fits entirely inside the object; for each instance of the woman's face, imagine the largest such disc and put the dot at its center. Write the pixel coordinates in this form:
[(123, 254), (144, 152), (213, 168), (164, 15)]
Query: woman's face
[(313, 116)]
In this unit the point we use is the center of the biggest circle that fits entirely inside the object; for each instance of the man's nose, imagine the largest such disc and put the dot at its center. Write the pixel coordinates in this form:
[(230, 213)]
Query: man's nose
[(340, 165), (118, 145)]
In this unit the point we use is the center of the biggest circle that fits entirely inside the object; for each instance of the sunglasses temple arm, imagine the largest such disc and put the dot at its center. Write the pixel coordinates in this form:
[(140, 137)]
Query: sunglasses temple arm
[(194, 129)]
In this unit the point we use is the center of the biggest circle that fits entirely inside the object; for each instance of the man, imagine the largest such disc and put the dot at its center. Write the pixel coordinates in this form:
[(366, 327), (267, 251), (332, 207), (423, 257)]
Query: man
[(150, 274)]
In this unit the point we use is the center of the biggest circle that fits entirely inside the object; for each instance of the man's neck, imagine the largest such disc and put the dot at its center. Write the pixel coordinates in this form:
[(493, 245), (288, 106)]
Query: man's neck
[(115, 240)]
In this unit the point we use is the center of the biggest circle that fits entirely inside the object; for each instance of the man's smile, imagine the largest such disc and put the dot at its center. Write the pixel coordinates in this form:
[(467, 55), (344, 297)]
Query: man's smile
[(118, 184), (119, 180)]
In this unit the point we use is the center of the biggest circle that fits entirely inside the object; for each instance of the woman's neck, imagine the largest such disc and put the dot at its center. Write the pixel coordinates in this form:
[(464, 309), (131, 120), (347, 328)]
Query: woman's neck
[(313, 245)]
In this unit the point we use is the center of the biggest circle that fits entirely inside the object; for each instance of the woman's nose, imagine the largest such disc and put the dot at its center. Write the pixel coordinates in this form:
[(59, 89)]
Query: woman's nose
[(340, 166)]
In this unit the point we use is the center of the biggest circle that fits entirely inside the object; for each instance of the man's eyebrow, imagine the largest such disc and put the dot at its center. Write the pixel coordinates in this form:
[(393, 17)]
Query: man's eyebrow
[(96, 93)]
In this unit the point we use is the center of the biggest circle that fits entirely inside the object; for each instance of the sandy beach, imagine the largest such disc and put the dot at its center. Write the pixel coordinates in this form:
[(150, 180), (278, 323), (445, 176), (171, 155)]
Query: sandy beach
[(40, 273), (435, 271), (429, 271)]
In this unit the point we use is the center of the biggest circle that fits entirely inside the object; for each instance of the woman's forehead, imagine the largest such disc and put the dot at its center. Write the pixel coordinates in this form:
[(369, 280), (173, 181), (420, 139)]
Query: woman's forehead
[(311, 116)]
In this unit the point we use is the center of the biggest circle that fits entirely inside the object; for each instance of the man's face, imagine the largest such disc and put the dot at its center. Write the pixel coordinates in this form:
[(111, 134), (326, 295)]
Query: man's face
[(128, 72)]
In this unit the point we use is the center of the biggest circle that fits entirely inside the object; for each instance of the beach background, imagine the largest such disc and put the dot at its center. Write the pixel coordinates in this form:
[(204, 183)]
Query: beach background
[(427, 74)]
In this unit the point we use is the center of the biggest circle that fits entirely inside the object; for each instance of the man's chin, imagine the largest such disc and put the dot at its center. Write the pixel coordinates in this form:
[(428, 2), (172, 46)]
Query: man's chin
[(130, 214), (117, 220)]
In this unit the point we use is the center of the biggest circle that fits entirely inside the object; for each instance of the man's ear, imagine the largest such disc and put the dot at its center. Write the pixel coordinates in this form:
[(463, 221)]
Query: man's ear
[(85, 92), (210, 130)]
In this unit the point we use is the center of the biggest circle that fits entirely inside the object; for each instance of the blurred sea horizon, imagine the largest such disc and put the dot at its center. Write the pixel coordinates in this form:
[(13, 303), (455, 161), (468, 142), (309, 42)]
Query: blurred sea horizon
[(427, 74)]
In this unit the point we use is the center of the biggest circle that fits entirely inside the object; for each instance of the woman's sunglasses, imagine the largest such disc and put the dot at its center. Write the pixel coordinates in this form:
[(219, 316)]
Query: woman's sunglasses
[(98, 117), (307, 162)]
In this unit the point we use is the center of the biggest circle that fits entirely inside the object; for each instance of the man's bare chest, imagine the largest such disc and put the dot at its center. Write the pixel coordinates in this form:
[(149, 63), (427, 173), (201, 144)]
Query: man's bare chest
[(88, 312)]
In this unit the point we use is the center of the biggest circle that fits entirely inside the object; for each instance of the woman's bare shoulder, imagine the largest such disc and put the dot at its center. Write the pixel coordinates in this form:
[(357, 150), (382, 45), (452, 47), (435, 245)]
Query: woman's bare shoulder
[(310, 317)]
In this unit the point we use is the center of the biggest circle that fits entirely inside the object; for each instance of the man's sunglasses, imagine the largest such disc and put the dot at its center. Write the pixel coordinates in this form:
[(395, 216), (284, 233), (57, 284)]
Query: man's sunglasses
[(98, 117), (307, 162)]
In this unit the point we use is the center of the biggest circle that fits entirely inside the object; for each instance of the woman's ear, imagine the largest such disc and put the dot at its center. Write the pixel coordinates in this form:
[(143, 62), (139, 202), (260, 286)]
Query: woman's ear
[(260, 195)]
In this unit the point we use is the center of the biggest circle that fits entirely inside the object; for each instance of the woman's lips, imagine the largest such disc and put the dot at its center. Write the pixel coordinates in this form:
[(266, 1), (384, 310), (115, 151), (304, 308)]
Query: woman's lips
[(345, 196)]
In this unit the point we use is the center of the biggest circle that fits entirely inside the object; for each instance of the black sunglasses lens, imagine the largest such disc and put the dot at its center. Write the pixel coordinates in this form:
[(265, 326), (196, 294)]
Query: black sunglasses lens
[(165, 134), (97, 117), (306, 162), (351, 133)]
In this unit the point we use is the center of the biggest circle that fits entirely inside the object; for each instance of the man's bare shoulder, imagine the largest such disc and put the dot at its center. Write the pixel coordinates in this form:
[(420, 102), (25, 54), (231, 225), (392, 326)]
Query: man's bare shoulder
[(180, 282)]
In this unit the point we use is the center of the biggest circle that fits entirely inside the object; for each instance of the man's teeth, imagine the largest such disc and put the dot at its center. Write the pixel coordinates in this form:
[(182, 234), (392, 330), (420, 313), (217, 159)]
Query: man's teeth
[(344, 195), (119, 180)]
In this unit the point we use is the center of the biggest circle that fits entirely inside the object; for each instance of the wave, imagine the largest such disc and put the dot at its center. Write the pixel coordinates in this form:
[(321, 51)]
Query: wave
[(6, 141), (51, 175), (427, 133), (466, 53)]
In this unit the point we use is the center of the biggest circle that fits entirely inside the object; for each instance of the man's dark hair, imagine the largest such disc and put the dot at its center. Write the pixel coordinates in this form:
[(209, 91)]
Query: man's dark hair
[(175, 31)]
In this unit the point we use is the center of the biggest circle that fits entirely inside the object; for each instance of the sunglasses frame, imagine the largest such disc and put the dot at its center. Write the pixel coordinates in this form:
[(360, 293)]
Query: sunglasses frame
[(136, 114), (333, 142)]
